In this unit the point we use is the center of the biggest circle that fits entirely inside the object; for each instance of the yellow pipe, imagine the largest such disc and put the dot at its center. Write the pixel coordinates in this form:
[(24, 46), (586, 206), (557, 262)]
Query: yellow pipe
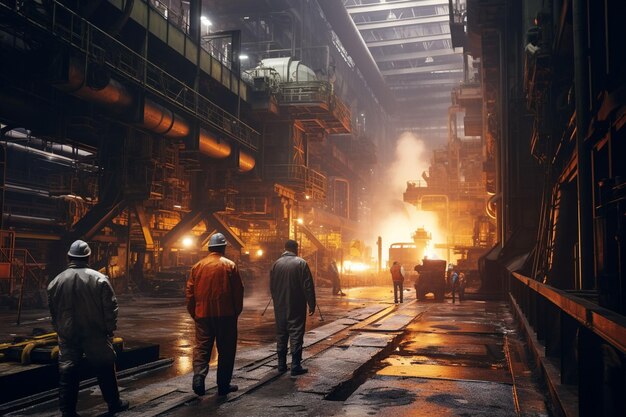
[(54, 354)]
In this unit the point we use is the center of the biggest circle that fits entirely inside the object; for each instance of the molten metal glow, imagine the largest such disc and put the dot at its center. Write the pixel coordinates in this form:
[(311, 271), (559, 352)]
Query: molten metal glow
[(393, 219), (350, 267)]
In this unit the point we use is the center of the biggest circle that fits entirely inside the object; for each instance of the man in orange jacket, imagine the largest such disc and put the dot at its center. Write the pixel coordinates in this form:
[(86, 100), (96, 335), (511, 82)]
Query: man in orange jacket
[(215, 299), (397, 276)]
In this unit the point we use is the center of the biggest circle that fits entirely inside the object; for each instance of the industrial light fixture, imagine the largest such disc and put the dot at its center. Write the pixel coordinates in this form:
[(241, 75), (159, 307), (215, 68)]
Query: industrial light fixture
[(205, 21), (243, 57), (259, 252), (300, 221), (187, 241), (429, 59)]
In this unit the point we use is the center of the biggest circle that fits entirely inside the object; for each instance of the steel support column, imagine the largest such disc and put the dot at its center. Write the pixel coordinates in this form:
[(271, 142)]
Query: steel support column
[(585, 278)]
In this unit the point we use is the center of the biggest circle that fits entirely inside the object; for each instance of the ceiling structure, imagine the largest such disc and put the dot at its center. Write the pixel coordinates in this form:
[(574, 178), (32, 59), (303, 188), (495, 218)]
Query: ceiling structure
[(411, 43)]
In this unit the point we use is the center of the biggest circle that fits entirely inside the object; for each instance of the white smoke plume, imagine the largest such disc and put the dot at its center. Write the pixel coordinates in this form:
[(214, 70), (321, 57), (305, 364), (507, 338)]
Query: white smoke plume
[(392, 218)]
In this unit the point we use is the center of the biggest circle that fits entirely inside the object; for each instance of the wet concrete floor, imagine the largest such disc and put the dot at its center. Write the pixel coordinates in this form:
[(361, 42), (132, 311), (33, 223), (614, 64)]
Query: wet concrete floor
[(368, 357)]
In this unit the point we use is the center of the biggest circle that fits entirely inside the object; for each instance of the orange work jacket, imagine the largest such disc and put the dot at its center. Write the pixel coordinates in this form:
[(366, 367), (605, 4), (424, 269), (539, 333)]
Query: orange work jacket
[(214, 288), (396, 273)]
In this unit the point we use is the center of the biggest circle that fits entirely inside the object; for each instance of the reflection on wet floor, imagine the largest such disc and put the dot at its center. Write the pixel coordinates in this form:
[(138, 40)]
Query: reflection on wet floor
[(464, 343)]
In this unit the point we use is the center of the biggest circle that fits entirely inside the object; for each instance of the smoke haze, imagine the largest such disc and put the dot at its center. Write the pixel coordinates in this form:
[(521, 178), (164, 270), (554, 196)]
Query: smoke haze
[(392, 218)]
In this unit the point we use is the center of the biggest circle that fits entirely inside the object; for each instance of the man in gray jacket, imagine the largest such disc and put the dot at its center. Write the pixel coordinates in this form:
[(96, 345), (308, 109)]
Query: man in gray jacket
[(83, 308), (292, 288)]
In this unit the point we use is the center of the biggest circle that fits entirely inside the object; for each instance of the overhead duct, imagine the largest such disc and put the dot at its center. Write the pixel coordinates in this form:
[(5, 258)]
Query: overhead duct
[(246, 162), (212, 146), (156, 118), (114, 96), (162, 121)]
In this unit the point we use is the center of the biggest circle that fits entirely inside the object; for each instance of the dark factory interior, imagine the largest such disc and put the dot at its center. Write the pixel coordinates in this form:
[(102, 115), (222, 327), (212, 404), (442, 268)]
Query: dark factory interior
[(475, 144)]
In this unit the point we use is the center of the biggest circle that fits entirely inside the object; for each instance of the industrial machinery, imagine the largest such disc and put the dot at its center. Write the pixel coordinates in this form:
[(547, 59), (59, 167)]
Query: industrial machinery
[(431, 279)]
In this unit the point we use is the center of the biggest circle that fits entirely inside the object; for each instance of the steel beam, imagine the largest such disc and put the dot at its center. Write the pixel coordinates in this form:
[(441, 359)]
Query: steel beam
[(402, 4), (404, 41), (218, 224), (416, 55), (402, 22), (350, 37), (145, 226), (95, 219), (452, 67), (186, 224), (453, 82)]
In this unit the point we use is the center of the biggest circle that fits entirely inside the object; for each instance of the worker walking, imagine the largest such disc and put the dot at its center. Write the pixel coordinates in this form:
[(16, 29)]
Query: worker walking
[(214, 295), (84, 309), (334, 277), (292, 289), (397, 276)]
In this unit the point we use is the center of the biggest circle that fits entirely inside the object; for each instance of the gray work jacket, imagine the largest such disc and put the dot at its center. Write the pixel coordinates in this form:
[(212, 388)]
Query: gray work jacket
[(291, 285), (82, 303)]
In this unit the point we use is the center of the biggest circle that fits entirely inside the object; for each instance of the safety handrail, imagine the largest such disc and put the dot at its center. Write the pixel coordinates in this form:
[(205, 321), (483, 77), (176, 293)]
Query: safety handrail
[(608, 325)]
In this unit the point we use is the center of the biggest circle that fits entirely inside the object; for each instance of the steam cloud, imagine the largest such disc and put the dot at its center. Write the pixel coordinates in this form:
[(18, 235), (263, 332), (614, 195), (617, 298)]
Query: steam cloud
[(392, 218)]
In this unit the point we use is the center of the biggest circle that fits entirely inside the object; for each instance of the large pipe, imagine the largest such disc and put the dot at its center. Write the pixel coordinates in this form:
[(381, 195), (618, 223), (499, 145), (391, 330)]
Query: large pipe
[(211, 146), (162, 121), (118, 99), (113, 95), (246, 162), (156, 118)]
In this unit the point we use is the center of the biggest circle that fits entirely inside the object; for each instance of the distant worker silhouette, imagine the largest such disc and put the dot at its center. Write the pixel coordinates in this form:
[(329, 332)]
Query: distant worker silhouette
[(334, 277), (397, 277)]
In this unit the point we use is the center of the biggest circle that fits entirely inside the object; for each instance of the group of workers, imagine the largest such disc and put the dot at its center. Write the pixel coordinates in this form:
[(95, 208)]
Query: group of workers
[(84, 311), (456, 281)]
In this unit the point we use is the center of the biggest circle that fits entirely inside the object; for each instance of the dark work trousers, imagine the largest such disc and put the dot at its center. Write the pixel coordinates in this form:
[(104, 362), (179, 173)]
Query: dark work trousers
[(100, 355), (398, 288), (220, 330), (290, 329)]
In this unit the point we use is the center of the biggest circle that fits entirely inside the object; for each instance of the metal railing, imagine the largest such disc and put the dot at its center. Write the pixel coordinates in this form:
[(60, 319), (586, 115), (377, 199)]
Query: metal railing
[(312, 182), (584, 343), (98, 46), (452, 188), (306, 92)]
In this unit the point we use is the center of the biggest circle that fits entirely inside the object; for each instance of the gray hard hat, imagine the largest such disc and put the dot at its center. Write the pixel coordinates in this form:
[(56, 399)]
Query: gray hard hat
[(79, 249), (217, 240)]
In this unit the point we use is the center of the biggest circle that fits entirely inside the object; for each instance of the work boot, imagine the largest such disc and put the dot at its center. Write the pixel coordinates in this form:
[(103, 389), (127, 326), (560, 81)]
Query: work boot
[(224, 391), (298, 370), (119, 406), (296, 364), (198, 385), (282, 364)]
